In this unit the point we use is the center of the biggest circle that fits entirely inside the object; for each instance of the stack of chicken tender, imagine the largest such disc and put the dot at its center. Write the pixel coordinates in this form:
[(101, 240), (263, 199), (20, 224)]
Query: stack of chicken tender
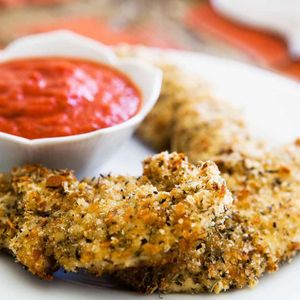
[(215, 218), (262, 228)]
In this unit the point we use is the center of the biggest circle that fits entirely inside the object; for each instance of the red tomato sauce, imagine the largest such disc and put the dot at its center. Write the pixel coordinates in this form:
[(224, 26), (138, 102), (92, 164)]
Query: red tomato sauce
[(53, 97)]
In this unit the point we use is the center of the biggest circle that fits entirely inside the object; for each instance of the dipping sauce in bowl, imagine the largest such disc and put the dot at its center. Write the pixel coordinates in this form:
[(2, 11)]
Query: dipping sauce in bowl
[(55, 96)]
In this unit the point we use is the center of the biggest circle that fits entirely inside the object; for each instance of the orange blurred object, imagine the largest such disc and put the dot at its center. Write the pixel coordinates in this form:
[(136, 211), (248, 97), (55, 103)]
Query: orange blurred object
[(292, 69), (17, 3), (91, 27), (266, 49)]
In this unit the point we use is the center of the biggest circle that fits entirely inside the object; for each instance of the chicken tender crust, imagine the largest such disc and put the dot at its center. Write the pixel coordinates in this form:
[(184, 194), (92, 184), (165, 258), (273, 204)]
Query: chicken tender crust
[(8, 211), (116, 222), (261, 230)]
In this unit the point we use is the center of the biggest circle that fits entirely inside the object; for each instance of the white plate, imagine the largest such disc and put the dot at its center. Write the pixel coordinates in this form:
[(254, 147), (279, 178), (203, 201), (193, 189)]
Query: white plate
[(271, 104)]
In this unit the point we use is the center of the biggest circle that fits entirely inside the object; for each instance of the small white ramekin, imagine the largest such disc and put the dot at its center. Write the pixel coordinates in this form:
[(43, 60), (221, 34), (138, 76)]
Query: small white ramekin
[(83, 153)]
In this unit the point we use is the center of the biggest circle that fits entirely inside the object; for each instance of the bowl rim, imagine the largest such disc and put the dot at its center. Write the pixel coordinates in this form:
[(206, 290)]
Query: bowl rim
[(112, 60)]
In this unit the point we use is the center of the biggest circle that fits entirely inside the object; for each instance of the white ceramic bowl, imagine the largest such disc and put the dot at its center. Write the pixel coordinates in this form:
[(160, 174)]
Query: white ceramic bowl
[(83, 153)]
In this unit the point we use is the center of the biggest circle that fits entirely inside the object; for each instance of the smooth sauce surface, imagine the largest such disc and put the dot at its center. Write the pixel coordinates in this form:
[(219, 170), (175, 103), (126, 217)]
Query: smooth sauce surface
[(53, 97)]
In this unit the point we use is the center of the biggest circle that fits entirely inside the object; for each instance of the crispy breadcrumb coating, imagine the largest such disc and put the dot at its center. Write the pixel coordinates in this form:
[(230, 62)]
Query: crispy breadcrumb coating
[(261, 230), (156, 129), (39, 193), (116, 222), (207, 129), (8, 211)]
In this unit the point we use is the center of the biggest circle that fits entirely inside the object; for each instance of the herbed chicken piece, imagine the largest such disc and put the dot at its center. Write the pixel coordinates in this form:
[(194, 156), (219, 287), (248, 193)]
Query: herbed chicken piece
[(178, 88), (188, 118), (116, 222), (262, 229)]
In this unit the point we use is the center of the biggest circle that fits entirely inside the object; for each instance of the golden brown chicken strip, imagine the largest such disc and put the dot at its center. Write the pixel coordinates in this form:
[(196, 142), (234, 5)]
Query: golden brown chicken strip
[(187, 117), (262, 229), (116, 222), (156, 130)]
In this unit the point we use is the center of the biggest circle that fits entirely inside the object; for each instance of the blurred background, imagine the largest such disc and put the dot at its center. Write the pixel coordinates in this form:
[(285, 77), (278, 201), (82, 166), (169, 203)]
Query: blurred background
[(260, 32)]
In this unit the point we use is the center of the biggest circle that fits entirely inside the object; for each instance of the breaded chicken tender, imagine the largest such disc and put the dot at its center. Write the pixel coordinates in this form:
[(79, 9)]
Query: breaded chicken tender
[(116, 222), (188, 118), (261, 230), (178, 88), (156, 130)]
